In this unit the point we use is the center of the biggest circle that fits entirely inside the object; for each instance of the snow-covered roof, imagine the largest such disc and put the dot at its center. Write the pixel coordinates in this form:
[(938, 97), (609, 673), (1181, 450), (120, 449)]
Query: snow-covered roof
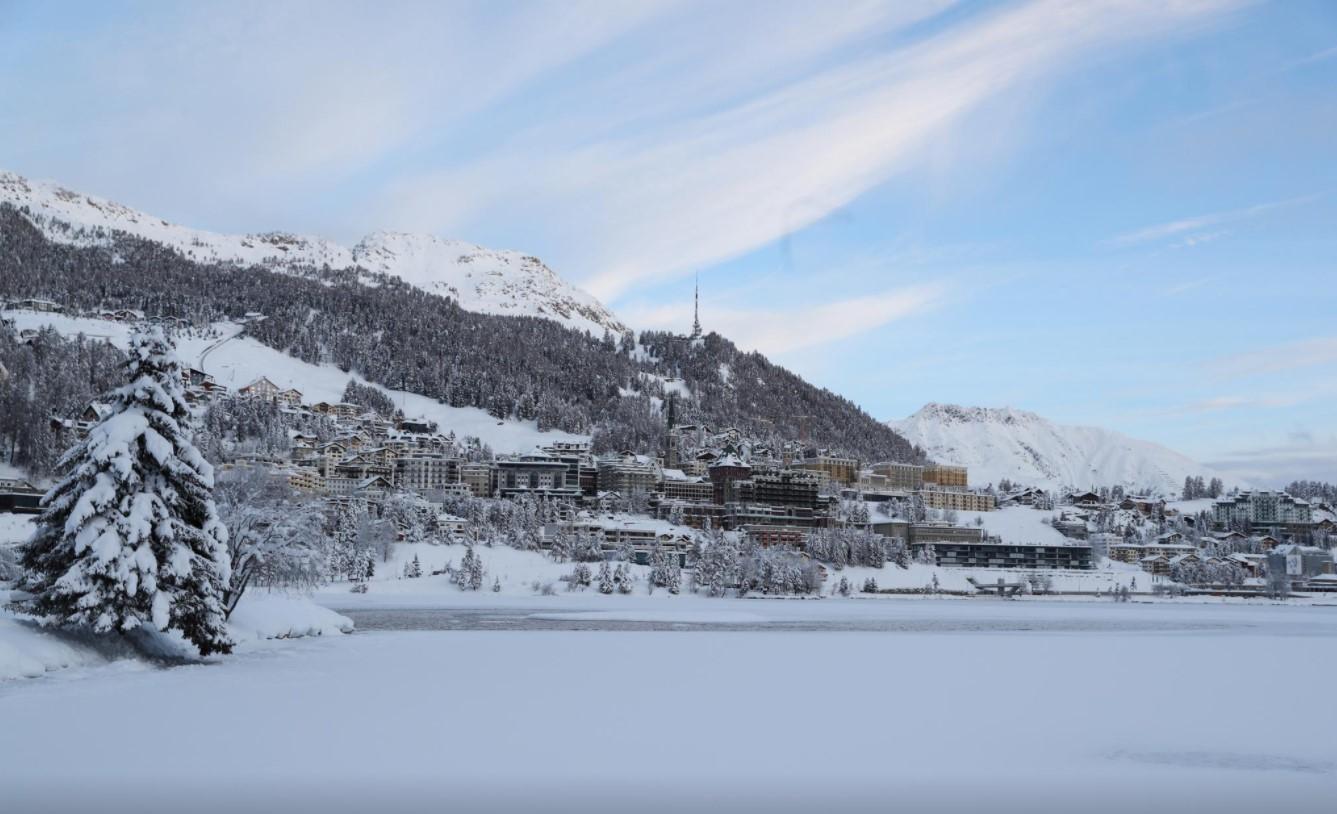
[(729, 460)]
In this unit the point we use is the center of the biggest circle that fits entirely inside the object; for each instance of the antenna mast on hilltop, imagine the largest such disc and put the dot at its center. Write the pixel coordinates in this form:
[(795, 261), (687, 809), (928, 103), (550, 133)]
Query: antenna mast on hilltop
[(696, 309)]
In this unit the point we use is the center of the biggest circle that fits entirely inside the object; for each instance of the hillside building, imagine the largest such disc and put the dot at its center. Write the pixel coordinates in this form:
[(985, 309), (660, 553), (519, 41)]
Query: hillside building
[(945, 476), (1263, 509), (901, 477)]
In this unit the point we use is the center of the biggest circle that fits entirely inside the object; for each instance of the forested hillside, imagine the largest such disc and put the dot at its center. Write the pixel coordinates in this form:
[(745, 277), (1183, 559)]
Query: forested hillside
[(405, 338)]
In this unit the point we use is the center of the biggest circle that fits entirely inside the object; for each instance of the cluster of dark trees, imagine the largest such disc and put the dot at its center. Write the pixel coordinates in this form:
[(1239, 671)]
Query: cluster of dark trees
[(403, 338), (1196, 487), (1314, 490), (44, 376), (373, 398)]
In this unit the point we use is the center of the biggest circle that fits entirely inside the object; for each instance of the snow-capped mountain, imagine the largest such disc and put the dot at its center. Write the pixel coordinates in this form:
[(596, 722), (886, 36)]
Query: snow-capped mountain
[(998, 443), (479, 279)]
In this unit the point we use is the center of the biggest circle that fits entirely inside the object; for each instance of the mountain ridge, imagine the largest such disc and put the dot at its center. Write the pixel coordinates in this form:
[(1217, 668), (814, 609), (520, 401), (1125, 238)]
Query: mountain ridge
[(998, 443), (492, 281)]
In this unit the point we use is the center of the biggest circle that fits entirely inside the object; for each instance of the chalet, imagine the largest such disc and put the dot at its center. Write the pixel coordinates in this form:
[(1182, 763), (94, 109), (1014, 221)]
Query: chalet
[(1265, 543), (19, 497), (1025, 497), (451, 527), (290, 397), (260, 388), (1229, 537), (121, 315), (1155, 564), (1085, 500), (345, 410), (1146, 505), (1253, 564), (95, 412), (416, 425), (1187, 558)]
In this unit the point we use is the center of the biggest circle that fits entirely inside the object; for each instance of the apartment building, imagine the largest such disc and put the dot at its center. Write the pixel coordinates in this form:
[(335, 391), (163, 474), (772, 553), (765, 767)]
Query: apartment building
[(945, 476), (900, 477), (840, 469), (958, 501), (1263, 508)]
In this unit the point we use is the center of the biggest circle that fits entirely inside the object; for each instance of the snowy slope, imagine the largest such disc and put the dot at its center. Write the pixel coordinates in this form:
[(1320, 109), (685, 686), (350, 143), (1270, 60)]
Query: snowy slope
[(997, 443), (237, 361), (479, 279)]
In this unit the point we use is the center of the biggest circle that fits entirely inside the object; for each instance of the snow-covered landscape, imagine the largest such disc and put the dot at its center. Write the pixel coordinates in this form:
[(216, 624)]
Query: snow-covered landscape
[(1002, 444), (668, 407), (936, 705), (479, 279)]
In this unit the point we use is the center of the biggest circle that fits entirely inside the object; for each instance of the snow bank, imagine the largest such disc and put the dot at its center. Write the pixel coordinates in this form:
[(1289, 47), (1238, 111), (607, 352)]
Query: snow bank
[(28, 651), (516, 571), (278, 616), (15, 528)]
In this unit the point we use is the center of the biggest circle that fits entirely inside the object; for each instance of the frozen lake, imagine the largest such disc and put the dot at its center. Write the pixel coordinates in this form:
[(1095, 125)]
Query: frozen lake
[(635, 703)]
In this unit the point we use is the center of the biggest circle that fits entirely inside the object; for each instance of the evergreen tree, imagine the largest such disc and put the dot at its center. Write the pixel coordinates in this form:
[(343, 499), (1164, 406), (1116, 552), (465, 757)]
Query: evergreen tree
[(622, 578), (130, 536), (605, 578)]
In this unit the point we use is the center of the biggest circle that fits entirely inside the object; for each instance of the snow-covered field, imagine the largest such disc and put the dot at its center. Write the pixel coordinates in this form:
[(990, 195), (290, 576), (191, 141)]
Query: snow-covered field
[(517, 573), (1011, 706), (237, 362)]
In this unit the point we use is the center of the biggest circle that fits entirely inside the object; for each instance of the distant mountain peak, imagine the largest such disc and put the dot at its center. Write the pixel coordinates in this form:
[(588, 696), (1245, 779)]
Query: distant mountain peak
[(486, 280), (1002, 442)]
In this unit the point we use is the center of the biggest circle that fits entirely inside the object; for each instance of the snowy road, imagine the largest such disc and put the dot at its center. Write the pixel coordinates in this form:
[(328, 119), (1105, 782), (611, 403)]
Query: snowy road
[(1062, 706)]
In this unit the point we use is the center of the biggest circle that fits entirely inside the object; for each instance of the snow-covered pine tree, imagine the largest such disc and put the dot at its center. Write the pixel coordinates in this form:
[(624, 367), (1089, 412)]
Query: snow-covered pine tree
[(130, 535), (623, 579), (605, 578)]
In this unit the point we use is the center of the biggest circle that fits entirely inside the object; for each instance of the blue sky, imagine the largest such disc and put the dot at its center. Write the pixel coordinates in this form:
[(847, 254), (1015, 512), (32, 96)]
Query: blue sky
[(1111, 213)]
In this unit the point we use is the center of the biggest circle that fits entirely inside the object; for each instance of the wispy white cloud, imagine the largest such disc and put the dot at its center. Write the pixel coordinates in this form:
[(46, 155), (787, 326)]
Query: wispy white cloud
[(1318, 56), (1304, 458), (1306, 353), (1192, 229), (780, 330), (701, 190)]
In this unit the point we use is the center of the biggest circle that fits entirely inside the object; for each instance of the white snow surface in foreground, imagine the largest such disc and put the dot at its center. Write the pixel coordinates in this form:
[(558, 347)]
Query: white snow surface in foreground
[(29, 651), (239, 361), (1081, 707)]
